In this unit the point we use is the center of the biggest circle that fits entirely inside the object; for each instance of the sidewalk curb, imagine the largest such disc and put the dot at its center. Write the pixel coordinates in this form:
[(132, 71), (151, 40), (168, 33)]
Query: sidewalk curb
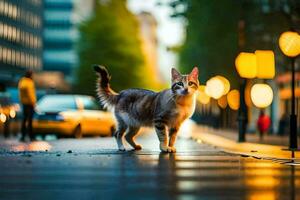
[(259, 151)]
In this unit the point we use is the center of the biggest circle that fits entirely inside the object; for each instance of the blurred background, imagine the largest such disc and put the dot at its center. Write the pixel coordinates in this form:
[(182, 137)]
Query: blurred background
[(139, 42)]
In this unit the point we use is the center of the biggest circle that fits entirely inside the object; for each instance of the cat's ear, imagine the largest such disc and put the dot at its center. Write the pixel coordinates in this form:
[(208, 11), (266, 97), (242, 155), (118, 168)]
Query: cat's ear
[(194, 73), (175, 74)]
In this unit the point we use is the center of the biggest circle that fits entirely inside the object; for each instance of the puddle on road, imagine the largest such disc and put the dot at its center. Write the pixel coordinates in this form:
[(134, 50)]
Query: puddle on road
[(32, 146)]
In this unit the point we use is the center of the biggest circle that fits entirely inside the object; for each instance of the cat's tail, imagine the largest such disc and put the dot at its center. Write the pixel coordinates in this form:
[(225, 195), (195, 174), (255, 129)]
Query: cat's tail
[(107, 96)]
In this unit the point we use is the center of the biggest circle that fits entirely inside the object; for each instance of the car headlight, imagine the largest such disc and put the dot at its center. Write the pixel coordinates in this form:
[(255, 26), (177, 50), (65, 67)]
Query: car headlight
[(12, 113), (2, 118)]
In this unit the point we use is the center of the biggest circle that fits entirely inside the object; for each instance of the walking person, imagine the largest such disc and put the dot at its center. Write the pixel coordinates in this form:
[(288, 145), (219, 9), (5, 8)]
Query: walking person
[(28, 100), (263, 124)]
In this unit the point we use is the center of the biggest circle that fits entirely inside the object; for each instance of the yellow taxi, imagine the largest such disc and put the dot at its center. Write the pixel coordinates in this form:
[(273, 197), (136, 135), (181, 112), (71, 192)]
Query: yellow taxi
[(71, 115), (8, 111)]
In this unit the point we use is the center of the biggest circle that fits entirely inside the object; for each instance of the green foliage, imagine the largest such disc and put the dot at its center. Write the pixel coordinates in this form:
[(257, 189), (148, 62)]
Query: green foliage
[(212, 32), (110, 38), (211, 38)]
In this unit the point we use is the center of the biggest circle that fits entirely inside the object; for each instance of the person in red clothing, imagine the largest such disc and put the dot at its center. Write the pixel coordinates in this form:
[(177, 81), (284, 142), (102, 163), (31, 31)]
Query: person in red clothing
[(263, 123)]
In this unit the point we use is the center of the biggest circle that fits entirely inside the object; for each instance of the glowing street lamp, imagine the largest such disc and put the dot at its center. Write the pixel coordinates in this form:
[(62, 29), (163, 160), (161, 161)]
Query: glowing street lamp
[(233, 99), (261, 95), (289, 43), (222, 102), (265, 64), (202, 97), (245, 64), (260, 64), (214, 88), (217, 86), (225, 83)]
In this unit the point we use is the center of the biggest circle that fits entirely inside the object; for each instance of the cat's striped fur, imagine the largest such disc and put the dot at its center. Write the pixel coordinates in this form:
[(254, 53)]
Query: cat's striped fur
[(134, 108)]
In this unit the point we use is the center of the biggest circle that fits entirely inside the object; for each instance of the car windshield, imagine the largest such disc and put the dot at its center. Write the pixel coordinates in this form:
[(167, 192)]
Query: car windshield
[(89, 103), (56, 103)]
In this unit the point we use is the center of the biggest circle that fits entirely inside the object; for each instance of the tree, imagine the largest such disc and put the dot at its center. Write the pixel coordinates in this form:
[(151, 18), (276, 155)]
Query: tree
[(211, 38), (212, 32), (110, 38)]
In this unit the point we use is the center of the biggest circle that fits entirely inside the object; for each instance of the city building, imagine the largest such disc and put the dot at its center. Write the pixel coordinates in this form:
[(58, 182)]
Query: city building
[(149, 45), (21, 25), (61, 19)]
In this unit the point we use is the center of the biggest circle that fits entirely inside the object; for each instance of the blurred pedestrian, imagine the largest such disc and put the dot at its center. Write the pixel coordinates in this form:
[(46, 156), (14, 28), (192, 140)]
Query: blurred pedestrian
[(28, 100), (263, 124)]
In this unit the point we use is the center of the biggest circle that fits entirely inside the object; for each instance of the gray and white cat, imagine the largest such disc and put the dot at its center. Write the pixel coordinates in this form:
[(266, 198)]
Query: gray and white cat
[(134, 108)]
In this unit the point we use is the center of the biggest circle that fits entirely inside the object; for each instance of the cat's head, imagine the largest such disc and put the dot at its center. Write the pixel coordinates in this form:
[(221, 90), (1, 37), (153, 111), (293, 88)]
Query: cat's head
[(185, 85)]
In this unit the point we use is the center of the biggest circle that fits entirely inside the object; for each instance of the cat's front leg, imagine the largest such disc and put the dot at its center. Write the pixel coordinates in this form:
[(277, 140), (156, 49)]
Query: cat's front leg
[(161, 131), (173, 137)]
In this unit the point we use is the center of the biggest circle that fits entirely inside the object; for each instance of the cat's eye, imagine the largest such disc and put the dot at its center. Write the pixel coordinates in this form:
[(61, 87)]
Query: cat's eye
[(180, 84), (191, 83)]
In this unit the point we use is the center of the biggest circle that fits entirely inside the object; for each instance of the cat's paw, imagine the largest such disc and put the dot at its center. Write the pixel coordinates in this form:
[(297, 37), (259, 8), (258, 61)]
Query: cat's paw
[(173, 149), (122, 149), (137, 147), (165, 149)]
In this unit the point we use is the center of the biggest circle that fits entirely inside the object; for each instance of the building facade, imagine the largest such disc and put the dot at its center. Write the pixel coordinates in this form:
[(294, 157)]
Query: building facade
[(61, 34), (21, 24), (149, 45)]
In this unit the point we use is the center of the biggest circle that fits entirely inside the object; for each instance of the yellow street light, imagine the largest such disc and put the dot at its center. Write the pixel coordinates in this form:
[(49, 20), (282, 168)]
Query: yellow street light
[(289, 43), (260, 64), (233, 99), (222, 102), (261, 95), (214, 87), (202, 96), (245, 64), (265, 64), (226, 84)]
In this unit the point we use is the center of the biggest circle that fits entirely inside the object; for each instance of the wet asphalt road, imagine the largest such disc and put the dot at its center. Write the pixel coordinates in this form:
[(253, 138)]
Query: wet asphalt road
[(91, 168)]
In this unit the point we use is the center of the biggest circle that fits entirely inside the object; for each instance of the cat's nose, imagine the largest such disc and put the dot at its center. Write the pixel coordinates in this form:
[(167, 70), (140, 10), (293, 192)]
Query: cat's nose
[(185, 91)]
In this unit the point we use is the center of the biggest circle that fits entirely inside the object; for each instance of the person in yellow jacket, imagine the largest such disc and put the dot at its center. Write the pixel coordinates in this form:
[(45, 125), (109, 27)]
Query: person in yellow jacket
[(27, 98)]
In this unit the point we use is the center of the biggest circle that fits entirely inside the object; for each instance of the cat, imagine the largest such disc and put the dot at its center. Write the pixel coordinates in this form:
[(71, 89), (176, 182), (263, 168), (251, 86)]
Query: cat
[(134, 108)]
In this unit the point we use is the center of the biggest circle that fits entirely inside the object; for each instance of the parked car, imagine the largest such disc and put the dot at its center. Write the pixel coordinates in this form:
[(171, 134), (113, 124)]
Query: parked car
[(8, 111), (71, 115)]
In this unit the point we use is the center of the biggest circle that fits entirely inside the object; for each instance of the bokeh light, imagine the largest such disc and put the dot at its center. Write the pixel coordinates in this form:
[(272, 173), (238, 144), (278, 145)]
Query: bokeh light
[(12, 113), (261, 95), (245, 64), (222, 102), (233, 99), (214, 87), (265, 64), (2, 118), (202, 97), (289, 43), (226, 84)]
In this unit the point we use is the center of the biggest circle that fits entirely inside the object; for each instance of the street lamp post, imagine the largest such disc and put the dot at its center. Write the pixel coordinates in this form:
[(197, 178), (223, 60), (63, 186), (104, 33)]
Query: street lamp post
[(289, 43), (260, 64), (293, 116), (242, 112)]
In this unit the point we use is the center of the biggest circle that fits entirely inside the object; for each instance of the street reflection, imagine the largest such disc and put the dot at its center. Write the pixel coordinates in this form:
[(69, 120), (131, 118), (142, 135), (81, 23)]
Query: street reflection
[(265, 195), (263, 178), (256, 180), (32, 146), (267, 180)]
